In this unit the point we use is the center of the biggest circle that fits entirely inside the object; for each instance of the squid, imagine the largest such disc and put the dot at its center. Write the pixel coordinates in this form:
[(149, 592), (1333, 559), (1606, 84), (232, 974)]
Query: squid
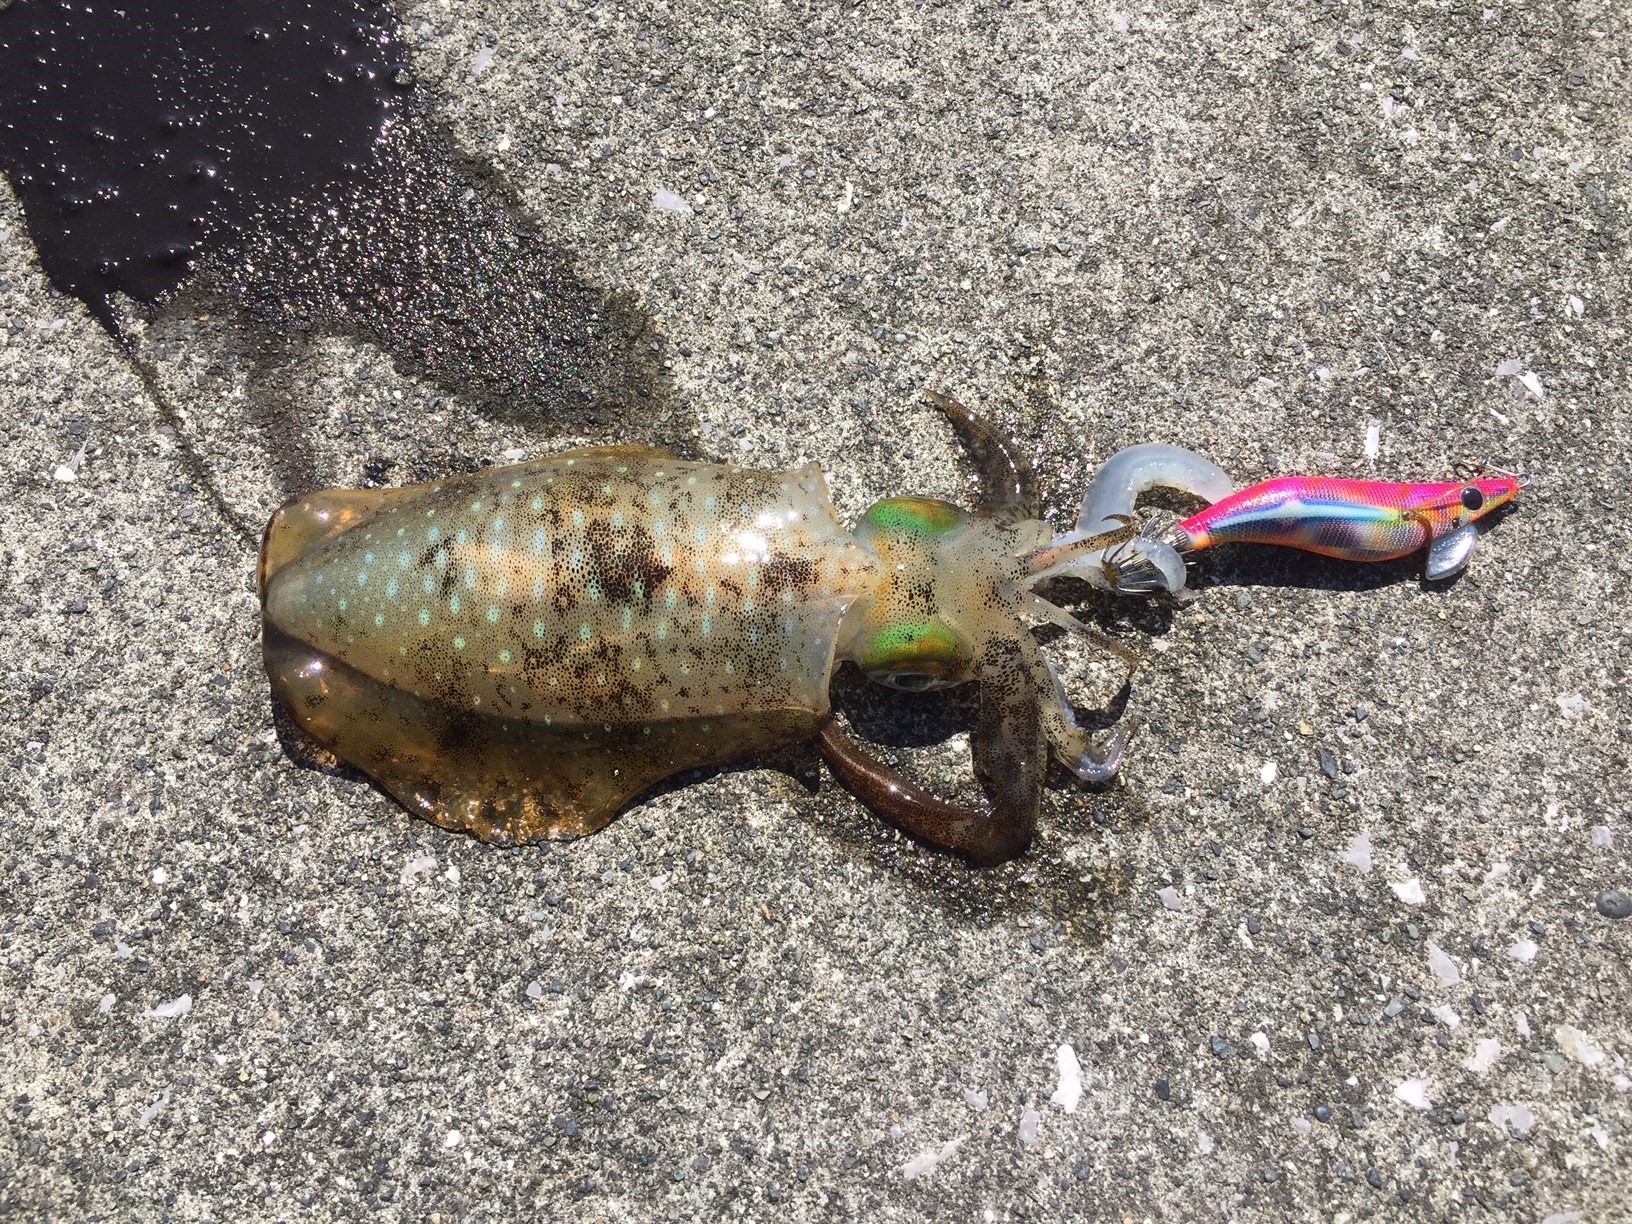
[(519, 653)]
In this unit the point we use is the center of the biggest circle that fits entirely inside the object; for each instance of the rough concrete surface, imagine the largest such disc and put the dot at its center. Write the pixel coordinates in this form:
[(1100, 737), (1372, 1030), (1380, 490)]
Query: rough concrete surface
[(1250, 229)]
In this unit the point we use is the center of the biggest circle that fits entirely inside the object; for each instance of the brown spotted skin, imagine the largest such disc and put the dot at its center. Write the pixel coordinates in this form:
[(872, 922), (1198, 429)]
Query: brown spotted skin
[(522, 651)]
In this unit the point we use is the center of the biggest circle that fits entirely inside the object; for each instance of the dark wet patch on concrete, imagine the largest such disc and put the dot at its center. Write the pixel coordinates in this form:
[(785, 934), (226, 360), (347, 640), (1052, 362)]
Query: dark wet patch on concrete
[(284, 159)]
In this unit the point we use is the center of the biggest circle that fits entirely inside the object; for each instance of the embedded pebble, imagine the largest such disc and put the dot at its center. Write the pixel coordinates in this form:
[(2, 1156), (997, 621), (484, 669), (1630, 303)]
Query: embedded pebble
[(1613, 903)]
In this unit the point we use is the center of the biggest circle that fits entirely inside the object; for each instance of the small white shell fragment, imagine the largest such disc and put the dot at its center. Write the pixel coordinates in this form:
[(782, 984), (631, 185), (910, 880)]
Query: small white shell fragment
[(1303, 1126), (1414, 1092), (69, 472), (1522, 1023), (1602, 836), (1260, 1042), (1030, 1120), (1485, 1053), (1574, 1043), (1509, 368), (1443, 966), (420, 864), (1069, 1092), (1269, 773), (1531, 381), (1524, 950), (1358, 855), (481, 61), (1204, 1142), (1572, 705), (1374, 439), (452, 1140), (105, 1004), (145, 1118), (1516, 1118), (665, 200), (1577, 306), (179, 1007), (977, 1100), (1169, 897), (1409, 891), (1446, 1015)]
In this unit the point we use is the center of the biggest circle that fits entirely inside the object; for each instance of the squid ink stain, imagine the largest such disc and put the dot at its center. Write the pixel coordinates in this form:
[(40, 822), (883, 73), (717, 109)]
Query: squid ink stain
[(280, 151)]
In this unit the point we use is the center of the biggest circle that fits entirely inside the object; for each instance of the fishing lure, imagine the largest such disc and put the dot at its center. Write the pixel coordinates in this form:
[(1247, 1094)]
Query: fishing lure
[(1355, 520), (520, 652)]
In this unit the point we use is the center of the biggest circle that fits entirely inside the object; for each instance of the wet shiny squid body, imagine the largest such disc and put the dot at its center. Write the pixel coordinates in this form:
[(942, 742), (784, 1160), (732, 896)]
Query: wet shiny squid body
[(522, 651)]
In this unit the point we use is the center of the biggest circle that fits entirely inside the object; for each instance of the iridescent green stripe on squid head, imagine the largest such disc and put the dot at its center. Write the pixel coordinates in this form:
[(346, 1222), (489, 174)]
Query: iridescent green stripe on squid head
[(923, 517), (903, 640)]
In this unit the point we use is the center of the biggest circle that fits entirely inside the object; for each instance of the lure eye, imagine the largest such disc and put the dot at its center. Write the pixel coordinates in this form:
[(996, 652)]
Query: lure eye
[(910, 682), (1472, 498)]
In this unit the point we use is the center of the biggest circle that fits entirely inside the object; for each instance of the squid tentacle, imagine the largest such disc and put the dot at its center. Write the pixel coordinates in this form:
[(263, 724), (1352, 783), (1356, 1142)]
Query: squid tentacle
[(1008, 485)]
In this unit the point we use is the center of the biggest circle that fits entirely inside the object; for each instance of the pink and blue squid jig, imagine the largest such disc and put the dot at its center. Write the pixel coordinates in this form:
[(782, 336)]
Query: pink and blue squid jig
[(1353, 520)]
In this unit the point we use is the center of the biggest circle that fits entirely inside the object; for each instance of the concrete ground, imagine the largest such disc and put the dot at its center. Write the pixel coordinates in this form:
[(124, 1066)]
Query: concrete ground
[(1334, 947)]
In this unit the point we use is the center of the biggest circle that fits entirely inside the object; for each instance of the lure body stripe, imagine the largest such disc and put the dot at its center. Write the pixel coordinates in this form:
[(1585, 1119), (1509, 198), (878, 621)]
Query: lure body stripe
[(1356, 520)]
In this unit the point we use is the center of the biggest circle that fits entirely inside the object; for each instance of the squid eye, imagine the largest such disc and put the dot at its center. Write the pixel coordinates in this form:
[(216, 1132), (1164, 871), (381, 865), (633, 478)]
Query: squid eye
[(1472, 499), (909, 682)]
